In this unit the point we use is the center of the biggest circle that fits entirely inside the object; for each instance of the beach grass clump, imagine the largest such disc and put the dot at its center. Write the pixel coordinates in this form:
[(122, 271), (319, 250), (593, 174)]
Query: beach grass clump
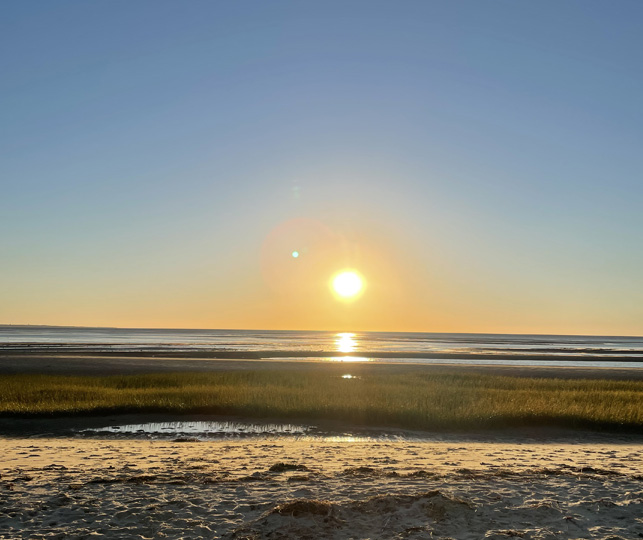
[(436, 400)]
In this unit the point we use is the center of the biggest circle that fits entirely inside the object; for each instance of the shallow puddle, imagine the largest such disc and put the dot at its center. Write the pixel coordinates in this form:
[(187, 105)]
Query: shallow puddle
[(198, 430), (213, 430)]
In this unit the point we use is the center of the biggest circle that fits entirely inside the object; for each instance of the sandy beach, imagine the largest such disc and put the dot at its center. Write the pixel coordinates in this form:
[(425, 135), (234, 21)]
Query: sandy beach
[(591, 487)]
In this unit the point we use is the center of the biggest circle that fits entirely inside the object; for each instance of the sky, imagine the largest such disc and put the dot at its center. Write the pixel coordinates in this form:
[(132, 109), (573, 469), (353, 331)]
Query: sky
[(478, 163)]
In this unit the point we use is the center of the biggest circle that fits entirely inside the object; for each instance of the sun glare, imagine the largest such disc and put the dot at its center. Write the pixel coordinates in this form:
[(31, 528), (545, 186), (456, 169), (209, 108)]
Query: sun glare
[(347, 284), (345, 342)]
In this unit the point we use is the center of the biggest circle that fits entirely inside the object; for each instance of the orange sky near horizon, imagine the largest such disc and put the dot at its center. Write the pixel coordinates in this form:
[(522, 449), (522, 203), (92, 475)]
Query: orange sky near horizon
[(403, 291)]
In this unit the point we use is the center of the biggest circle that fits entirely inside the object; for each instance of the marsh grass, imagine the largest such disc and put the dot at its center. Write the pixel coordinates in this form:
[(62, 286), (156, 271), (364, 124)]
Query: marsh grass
[(406, 400)]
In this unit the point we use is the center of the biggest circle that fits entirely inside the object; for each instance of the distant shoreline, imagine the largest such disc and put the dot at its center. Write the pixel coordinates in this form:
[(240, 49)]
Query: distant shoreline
[(100, 350)]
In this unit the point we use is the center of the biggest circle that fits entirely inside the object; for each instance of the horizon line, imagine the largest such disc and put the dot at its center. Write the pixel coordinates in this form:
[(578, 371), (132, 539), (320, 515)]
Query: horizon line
[(319, 331)]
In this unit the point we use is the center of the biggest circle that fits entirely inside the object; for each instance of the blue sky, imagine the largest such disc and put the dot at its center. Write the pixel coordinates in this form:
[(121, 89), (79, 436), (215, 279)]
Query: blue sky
[(487, 152)]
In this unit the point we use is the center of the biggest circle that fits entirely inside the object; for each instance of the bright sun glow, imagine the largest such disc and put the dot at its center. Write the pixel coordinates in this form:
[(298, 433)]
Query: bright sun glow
[(347, 284)]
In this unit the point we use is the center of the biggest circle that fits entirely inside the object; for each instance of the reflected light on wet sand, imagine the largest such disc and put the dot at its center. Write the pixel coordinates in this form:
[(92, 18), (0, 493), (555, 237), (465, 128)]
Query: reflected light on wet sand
[(348, 439)]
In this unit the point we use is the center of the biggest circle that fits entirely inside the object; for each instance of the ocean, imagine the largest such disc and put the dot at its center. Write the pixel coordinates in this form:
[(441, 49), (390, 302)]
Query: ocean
[(613, 351)]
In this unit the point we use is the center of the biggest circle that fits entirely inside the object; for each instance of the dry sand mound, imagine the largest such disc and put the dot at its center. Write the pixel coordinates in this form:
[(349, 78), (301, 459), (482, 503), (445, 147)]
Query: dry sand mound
[(382, 516)]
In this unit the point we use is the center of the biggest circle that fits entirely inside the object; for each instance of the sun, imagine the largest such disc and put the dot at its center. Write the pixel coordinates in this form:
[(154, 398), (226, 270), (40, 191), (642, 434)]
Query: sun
[(347, 284)]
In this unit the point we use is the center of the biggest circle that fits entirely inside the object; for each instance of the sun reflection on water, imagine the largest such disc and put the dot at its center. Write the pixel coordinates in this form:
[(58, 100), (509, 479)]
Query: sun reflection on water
[(345, 342)]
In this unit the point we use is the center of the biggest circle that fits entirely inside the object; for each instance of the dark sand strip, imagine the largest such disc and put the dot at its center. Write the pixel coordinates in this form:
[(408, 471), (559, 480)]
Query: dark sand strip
[(98, 365)]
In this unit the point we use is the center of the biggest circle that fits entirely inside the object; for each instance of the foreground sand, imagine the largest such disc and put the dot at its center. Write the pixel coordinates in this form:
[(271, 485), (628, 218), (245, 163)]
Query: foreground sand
[(515, 488)]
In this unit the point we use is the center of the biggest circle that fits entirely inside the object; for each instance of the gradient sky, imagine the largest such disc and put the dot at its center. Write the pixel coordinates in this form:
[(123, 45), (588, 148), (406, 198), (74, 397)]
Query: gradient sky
[(480, 163)]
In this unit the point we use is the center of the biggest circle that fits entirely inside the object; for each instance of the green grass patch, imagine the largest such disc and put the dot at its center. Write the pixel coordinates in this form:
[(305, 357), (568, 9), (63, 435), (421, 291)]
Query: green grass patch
[(406, 400)]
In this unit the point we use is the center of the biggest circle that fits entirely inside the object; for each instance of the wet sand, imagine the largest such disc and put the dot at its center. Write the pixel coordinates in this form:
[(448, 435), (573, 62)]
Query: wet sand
[(110, 364), (277, 488)]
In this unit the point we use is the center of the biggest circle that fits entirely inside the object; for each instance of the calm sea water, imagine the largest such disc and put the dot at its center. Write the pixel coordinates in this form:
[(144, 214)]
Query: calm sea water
[(395, 346)]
